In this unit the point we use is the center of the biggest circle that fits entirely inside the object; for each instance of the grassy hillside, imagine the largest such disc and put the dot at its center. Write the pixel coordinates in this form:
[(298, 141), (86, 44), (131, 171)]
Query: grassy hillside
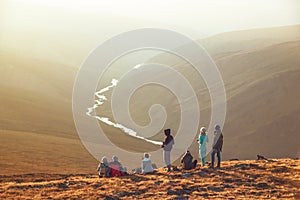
[(37, 132), (225, 44), (25, 152), (263, 104), (273, 179), (260, 68), (262, 101)]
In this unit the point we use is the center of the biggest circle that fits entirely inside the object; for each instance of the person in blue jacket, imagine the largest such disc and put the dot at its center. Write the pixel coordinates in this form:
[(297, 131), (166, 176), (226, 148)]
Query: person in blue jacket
[(203, 140)]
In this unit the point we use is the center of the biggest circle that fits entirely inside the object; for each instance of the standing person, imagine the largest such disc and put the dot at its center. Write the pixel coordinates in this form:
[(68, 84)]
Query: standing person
[(187, 161), (217, 146), (147, 164), (103, 168), (203, 139), (167, 146)]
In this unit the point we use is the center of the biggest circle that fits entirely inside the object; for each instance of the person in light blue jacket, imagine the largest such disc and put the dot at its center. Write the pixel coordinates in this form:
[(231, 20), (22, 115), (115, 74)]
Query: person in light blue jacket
[(147, 164), (203, 140)]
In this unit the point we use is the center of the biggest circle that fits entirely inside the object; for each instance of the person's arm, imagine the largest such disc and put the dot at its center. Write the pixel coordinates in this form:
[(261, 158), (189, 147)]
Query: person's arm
[(214, 143), (221, 142), (164, 143), (201, 140), (171, 141), (121, 167), (182, 159), (167, 141), (218, 143), (108, 170), (143, 165)]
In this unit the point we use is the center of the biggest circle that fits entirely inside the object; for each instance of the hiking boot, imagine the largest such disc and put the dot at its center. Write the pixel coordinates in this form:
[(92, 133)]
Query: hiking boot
[(169, 168)]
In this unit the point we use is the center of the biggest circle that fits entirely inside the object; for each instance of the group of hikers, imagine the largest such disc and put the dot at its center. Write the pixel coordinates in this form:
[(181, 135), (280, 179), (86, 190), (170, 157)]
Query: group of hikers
[(115, 168), (111, 169)]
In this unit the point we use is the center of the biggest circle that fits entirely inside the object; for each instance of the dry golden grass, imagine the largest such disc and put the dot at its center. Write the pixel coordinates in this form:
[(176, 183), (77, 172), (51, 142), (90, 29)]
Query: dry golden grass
[(249, 179), (25, 152)]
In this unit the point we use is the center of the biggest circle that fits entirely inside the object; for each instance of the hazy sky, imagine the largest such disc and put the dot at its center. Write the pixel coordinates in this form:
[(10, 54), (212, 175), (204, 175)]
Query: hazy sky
[(31, 24)]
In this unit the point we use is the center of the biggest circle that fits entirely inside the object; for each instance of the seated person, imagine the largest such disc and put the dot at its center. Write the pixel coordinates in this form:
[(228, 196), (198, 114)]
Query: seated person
[(103, 168), (187, 161), (116, 168), (147, 164)]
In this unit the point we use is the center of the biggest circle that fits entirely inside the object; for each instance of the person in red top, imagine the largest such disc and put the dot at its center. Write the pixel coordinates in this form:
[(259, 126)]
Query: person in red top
[(116, 168)]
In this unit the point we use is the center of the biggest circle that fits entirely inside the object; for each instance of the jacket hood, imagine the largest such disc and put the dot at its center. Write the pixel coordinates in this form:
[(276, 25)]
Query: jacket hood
[(146, 159)]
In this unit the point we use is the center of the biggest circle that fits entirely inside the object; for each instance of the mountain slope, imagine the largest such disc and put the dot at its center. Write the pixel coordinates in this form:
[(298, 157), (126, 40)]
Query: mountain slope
[(37, 131), (246, 40), (261, 81)]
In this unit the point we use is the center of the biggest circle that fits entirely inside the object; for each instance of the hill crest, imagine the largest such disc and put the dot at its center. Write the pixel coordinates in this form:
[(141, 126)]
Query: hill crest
[(248, 179)]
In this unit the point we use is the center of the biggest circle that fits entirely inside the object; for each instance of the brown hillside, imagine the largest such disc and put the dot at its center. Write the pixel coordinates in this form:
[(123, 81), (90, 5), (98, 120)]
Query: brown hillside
[(261, 78), (249, 179)]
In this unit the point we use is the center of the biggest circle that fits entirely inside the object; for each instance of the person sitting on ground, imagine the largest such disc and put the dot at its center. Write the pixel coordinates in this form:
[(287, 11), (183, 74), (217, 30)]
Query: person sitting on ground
[(103, 168), (116, 168), (147, 164), (260, 157), (187, 161)]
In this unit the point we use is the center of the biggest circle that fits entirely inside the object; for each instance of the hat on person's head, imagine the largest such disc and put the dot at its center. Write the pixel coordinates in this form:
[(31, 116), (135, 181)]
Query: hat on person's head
[(167, 131), (217, 127), (115, 158), (203, 129), (104, 159)]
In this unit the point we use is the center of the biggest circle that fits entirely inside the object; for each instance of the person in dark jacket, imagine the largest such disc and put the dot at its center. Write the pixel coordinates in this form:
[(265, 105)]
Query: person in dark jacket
[(167, 146), (103, 168), (217, 146), (187, 161)]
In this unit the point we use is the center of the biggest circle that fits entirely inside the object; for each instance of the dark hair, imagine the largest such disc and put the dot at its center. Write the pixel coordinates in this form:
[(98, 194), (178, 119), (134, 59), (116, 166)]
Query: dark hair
[(168, 131)]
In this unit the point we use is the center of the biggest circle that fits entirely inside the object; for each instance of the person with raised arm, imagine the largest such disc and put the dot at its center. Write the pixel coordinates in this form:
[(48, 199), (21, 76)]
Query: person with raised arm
[(167, 146)]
